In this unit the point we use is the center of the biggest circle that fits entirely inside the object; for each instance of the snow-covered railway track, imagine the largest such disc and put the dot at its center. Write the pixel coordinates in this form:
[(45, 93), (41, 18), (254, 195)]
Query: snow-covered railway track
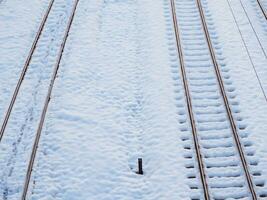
[(27, 109), (24, 70), (222, 162), (42, 119)]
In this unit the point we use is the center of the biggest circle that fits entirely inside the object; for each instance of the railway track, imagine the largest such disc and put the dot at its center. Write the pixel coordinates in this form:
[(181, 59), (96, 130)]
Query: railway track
[(47, 100), (215, 133), (189, 104), (46, 50), (24, 70)]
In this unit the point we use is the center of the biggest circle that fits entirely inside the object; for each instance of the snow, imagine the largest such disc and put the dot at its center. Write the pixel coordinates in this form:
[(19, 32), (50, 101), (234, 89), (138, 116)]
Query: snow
[(16, 36), (123, 112), (119, 96)]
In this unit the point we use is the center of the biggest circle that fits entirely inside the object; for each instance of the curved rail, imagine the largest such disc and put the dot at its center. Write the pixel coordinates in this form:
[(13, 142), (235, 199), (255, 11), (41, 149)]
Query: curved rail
[(226, 103), (24, 70), (47, 100), (189, 105), (264, 12)]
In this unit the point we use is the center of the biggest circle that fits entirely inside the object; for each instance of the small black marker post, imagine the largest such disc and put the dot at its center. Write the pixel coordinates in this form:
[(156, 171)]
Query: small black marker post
[(140, 166)]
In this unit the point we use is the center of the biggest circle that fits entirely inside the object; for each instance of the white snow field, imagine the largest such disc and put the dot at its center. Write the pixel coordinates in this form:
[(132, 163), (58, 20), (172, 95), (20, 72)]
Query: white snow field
[(119, 96)]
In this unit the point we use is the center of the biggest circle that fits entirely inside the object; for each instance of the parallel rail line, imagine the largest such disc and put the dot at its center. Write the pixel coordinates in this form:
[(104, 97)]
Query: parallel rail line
[(189, 106), (234, 131), (246, 46), (199, 156), (264, 12), (24, 70), (251, 24), (47, 100), (226, 103)]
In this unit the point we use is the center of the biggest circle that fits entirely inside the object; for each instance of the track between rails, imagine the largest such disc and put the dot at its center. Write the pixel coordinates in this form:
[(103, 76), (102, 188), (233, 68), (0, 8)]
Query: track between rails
[(40, 126), (233, 132), (189, 106), (24, 70), (47, 100)]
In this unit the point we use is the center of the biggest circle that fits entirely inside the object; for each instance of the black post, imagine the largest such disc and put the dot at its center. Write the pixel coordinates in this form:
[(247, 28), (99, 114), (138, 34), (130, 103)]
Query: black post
[(140, 166)]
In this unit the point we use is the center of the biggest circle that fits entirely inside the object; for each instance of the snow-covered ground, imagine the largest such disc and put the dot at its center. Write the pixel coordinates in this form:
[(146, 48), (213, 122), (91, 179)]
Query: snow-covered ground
[(115, 92), (119, 96), (19, 22)]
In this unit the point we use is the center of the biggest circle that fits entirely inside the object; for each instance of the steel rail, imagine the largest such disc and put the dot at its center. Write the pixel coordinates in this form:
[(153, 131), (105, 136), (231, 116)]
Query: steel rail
[(189, 105), (251, 24), (47, 100), (246, 47), (264, 12), (24, 70), (226, 103)]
